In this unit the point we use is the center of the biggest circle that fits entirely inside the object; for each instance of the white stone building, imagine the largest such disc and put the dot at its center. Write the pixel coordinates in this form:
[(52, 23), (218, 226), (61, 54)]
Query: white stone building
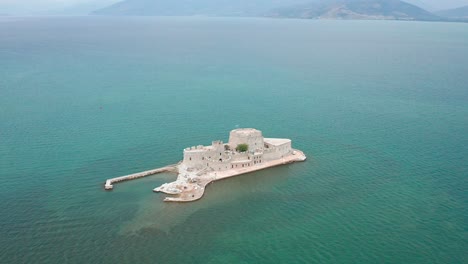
[(221, 157)]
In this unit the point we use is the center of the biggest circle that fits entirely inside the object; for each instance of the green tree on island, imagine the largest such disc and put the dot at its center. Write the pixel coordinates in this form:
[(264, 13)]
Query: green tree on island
[(242, 147)]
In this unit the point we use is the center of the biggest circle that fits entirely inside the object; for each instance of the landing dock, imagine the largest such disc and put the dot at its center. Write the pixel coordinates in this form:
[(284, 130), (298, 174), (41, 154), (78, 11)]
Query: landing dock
[(109, 182)]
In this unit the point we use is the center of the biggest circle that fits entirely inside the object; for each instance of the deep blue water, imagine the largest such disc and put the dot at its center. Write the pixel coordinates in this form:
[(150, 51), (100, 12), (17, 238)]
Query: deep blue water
[(379, 107)]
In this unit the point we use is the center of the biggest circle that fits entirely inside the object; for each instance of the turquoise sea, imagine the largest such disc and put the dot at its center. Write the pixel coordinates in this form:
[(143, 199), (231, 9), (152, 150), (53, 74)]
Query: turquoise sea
[(379, 107)]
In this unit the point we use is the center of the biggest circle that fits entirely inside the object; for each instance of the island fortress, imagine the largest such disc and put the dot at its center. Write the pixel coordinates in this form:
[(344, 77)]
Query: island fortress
[(246, 151), (222, 157)]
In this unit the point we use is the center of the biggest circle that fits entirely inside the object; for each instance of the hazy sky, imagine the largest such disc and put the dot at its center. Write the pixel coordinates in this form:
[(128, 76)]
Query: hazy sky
[(84, 6), (50, 6)]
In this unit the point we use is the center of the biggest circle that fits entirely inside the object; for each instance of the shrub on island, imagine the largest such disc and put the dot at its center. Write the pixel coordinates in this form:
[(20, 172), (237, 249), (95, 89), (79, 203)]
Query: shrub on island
[(242, 147)]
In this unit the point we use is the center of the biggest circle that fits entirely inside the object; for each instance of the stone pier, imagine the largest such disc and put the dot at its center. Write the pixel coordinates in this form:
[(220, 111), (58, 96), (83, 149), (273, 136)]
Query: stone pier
[(108, 185)]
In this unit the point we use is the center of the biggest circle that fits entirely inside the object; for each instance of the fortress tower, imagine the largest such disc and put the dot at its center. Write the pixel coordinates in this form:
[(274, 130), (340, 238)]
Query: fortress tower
[(249, 136)]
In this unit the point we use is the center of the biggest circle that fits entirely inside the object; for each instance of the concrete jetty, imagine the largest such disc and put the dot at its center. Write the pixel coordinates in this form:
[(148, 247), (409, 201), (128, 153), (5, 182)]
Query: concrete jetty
[(109, 182)]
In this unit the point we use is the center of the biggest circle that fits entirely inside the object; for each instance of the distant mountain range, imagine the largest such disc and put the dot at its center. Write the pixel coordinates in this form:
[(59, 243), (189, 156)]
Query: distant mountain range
[(195, 7), (310, 9), (457, 13), (356, 9)]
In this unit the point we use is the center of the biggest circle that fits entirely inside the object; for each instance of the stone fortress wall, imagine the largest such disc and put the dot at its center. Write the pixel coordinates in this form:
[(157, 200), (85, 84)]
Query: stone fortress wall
[(220, 157), (276, 148), (201, 157)]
